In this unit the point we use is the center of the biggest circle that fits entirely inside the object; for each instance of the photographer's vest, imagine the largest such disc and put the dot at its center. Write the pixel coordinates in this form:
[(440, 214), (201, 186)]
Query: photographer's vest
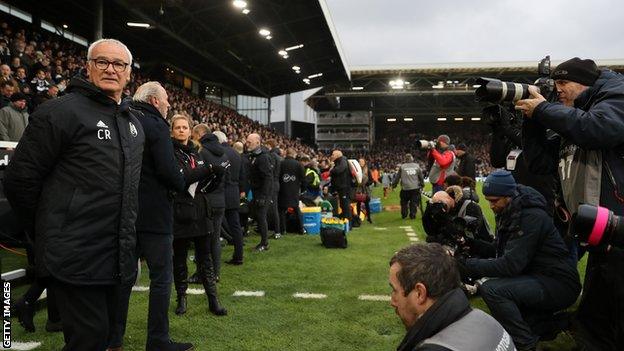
[(410, 176), (476, 331), (580, 173)]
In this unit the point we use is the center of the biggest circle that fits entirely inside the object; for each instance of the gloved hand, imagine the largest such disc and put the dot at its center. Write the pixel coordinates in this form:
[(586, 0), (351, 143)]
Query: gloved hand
[(218, 170)]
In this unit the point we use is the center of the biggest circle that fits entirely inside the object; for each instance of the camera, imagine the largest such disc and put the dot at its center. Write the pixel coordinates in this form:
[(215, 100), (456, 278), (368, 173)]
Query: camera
[(497, 91), (595, 225), (426, 144)]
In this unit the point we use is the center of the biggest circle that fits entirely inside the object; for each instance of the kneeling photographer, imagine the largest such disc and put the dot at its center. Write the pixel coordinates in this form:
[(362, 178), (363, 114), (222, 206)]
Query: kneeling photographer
[(535, 275), (454, 220)]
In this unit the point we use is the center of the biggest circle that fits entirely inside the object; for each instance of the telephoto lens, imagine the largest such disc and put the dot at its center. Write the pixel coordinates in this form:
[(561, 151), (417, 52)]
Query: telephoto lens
[(425, 144), (594, 225), (496, 91)]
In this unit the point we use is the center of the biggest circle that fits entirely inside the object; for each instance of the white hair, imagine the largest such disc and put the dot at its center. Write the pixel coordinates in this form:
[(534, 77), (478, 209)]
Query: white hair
[(147, 90), (220, 136), (110, 41)]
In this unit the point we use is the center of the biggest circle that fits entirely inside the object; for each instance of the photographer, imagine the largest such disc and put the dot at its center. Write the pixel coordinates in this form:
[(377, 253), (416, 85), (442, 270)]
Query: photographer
[(412, 181), (588, 157), (506, 152), (441, 159), (535, 275), (435, 312)]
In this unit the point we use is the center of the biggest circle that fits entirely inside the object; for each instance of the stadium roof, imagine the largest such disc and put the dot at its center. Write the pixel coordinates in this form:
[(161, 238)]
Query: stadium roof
[(214, 41), (424, 91)]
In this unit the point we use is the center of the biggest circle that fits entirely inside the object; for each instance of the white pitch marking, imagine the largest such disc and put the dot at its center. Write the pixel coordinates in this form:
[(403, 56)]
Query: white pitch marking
[(309, 296), (195, 291), (249, 293), (414, 239), (140, 288), (405, 227), (380, 228), (30, 345), (411, 234), (374, 297)]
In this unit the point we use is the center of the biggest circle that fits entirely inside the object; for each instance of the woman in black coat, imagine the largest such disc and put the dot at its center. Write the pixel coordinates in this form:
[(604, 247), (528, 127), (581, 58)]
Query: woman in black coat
[(363, 191), (190, 219)]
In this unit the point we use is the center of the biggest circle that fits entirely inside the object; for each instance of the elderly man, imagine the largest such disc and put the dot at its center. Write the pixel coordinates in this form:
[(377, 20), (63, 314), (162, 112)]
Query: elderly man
[(261, 182), (435, 311), (14, 118), (587, 155), (160, 175), (73, 182)]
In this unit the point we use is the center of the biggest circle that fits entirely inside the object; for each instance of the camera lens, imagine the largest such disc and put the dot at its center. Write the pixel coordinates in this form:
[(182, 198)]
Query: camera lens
[(495, 91), (594, 225)]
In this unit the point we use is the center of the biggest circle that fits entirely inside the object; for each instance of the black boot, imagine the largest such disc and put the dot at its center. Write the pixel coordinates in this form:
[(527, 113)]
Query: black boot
[(25, 313), (181, 307), (210, 286)]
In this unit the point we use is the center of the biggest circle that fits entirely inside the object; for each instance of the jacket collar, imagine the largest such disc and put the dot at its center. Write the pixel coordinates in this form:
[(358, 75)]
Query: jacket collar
[(447, 309), (82, 86)]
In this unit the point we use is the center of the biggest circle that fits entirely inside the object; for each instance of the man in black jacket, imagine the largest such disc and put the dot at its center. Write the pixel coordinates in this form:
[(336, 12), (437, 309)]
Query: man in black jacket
[(291, 177), (214, 154), (261, 182), (435, 312), (73, 181), (341, 182), (467, 167), (160, 175), (535, 275), (233, 193), (588, 156), (274, 214)]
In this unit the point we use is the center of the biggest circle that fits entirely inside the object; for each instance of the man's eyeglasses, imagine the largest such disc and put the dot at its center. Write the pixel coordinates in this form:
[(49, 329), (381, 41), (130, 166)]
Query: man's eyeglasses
[(102, 64)]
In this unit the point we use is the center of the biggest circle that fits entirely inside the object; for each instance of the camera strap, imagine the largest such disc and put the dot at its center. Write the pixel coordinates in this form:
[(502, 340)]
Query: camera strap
[(616, 191)]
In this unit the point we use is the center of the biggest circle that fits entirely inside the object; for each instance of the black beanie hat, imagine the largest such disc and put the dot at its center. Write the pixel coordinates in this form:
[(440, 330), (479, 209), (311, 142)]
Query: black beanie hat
[(576, 70), (18, 96)]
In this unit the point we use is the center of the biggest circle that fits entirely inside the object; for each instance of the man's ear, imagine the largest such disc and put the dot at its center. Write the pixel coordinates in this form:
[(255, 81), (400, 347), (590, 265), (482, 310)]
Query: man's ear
[(418, 295)]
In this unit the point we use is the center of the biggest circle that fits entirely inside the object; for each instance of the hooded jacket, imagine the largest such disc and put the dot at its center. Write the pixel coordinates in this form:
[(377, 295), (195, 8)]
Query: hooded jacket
[(341, 176), (236, 181), (13, 122), (527, 243), (260, 174), (291, 177), (74, 180)]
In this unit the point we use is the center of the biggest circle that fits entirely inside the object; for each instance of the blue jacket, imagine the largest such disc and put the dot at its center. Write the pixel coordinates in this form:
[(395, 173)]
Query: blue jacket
[(160, 173)]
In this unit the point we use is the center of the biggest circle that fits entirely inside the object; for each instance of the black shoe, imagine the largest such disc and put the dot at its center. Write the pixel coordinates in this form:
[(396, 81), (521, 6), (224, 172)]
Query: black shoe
[(369, 220), (25, 313), (261, 247), (181, 307), (169, 346), (234, 262), (54, 327), (214, 307), (194, 279)]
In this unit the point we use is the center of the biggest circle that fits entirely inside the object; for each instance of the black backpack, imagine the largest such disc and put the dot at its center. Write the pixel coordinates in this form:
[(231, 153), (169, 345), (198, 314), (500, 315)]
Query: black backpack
[(333, 238)]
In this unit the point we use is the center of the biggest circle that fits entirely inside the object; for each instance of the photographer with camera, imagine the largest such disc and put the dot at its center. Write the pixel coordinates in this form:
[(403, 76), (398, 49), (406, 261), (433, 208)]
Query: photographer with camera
[(535, 275), (441, 160), (588, 155), (426, 295)]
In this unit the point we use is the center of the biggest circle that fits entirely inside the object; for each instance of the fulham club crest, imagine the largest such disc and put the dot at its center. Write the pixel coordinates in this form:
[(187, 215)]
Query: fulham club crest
[(133, 130)]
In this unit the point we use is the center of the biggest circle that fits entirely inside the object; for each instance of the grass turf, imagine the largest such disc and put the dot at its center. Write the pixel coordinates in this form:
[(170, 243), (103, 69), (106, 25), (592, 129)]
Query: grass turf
[(279, 321)]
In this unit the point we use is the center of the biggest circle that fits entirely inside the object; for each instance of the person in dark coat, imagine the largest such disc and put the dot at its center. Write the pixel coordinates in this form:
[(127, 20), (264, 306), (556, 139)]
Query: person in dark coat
[(341, 182), (466, 167), (191, 220), (214, 154), (160, 175), (535, 275), (587, 154), (73, 182), (233, 194), (261, 183), (274, 214), (244, 186), (291, 176)]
